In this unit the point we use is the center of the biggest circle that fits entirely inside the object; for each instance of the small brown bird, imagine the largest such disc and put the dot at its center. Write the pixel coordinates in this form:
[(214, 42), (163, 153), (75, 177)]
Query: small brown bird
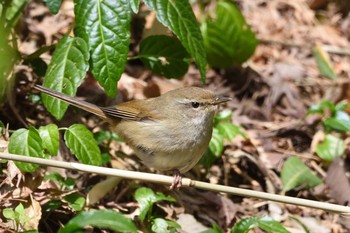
[(169, 133)]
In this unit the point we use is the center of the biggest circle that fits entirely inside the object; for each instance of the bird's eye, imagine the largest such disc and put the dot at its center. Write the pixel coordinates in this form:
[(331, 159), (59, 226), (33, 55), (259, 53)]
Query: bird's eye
[(195, 104)]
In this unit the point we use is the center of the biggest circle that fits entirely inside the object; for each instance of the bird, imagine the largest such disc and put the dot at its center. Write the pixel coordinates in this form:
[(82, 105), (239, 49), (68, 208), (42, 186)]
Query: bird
[(170, 132)]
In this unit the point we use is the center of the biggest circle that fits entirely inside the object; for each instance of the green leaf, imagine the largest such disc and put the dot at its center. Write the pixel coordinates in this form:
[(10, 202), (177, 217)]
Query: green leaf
[(161, 225), (216, 145), (26, 142), (323, 63), (53, 5), (105, 25), (51, 205), (228, 39), (49, 137), (14, 12), (75, 200), (82, 144), (164, 55), (266, 224), (9, 213), (146, 198), (320, 107), (230, 131), (295, 173), (342, 106), (178, 16), (65, 182), (330, 148), (340, 122), (107, 219), (215, 229), (224, 115), (65, 73), (215, 149), (135, 4)]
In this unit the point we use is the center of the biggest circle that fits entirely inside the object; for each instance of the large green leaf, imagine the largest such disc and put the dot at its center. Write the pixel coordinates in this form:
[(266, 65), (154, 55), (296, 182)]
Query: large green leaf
[(26, 142), (65, 73), (228, 39), (295, 173), (107, 219), (178, 16), (330, 148), (164, 55), (83, 144), (146, 198), (49, 137), (105, 25)]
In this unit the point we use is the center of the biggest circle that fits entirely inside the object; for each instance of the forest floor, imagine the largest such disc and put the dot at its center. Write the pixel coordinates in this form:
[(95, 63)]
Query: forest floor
[(271, 93)]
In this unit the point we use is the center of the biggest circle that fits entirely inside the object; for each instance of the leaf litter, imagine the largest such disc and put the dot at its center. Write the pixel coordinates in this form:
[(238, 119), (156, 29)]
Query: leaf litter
[(272, 93)]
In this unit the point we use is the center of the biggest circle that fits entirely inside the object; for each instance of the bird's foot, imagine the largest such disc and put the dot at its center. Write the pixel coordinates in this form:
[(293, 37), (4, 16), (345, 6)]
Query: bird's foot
[(177, 182)]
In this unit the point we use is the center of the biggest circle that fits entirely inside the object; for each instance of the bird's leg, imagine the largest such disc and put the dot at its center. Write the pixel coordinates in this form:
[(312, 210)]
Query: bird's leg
[(177, 182)]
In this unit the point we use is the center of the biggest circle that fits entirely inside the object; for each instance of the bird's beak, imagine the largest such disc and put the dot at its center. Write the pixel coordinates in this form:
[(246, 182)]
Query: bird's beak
[(220, 99)]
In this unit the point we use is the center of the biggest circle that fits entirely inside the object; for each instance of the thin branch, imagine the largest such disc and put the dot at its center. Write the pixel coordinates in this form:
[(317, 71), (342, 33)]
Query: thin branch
[(345, 210)]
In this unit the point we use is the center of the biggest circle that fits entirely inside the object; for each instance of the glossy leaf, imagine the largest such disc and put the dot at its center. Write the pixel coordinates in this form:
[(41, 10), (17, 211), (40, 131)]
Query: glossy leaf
[(295, 173), (65, 72), (106, 219), (178, 16), (330, 148), (228, 39), (164, 55), (266, 224), (75, 201), (323, 63), (82, 144), (53, 5), (146, 198), (49, 137), (340, 121), (13, 13), (26, 142), (105, 25), (216, 145), (230, 131)]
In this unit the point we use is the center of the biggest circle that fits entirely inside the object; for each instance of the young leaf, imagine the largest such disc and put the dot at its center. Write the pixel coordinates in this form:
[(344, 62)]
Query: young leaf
[(75, 200), (9, 213), (26, 142), (323, 63), (164, 55), (330, 148), (107, 219), (53, 5), (65, 73), (178, 16), (228, 39), (295, 173), (49, 137), (105, 26), (340, 121), (266, 224), (82, 144), (146, 198)]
